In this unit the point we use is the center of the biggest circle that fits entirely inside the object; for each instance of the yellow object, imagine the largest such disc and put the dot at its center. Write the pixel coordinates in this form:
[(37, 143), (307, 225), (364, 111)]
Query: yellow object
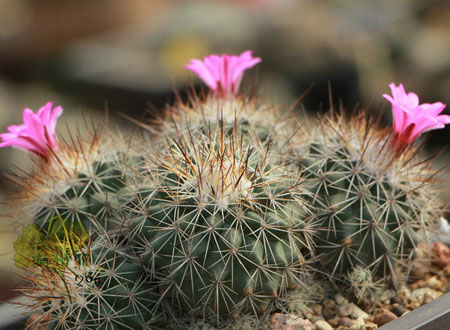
[(27, 246), (53, 248), (178, 50)]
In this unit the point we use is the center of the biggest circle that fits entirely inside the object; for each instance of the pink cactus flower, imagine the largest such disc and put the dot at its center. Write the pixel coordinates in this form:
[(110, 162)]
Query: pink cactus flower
[(37, 134), (411, 118), (223, 73)]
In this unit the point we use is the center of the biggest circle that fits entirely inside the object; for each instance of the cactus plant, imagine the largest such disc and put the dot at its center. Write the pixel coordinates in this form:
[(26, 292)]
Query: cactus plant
[(82, 184), (222, 221), (101, 287), (373, 203), (220, 213)]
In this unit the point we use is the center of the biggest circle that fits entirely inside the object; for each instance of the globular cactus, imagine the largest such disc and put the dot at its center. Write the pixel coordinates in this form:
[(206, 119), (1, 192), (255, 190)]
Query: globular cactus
[(98, 287), (221, 221), (45, 245), (373, 203), (363, 284), (84, 185), (220, 213)]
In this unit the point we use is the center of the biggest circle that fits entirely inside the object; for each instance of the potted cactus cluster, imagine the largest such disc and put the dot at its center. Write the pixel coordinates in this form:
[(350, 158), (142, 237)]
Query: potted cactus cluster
[(222, 212)]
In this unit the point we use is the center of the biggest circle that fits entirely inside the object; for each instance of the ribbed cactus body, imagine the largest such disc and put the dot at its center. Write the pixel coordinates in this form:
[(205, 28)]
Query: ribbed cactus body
[(224, 226), (99, 287), (93, 196), (372, 206)]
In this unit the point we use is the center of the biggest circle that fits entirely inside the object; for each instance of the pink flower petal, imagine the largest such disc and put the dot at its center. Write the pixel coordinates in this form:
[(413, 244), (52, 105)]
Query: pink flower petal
[(24, 143), (44, 112), (201, 70), (412, 100), (56, 113), (433, 109), (424, 125), (34, 126), (37, 134), (410, 118), (223, 73), (16, 129), (214, 64)]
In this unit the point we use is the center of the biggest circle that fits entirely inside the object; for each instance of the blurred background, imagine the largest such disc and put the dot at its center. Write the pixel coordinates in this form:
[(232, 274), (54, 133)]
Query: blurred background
[(128, 56)]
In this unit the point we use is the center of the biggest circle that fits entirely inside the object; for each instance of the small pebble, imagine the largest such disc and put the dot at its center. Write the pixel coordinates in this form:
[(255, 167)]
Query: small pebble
[(384, 318), (329, 304), (396, 300), (339, 299), (357, 324), (345, 309), (419, 294), (295, 323), (328, 310), (414, 304), (334, 322), (279, 321), (317, 309), (345, 321), (399, 310), (427, 298), (442, 254), (328, 313), (323, 325), (316, 318), (434, 283), (358, 313), (447, 270), (369, 326), (418, 269)]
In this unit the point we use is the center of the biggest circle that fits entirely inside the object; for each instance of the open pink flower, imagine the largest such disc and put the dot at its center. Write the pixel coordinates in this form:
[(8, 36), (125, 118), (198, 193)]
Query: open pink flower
[(37, 134), (223, 73), (411, 118)]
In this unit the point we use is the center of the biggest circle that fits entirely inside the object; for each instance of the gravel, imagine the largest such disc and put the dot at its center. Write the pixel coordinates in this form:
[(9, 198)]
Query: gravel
[(339, 310)]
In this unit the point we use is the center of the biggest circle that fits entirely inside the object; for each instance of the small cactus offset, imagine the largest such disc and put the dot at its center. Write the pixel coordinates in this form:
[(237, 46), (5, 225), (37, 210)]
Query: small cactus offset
[(99, 287), (83, 185), (224, 211)]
